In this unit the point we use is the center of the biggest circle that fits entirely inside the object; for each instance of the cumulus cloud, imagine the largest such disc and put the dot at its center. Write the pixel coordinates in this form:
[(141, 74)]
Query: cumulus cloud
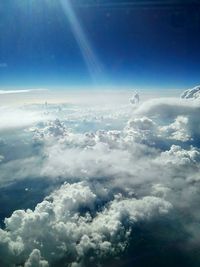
[(177, 155), (174, 118), (35, 260), (177, 130), (66, 224), (131, 166), (193, 93)]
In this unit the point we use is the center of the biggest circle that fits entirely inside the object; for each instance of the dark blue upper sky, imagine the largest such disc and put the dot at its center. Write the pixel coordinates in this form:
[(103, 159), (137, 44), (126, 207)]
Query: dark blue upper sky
[(135, 43)]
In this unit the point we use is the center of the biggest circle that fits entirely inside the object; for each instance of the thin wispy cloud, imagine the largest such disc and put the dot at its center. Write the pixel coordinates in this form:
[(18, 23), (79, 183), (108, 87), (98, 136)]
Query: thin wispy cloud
[(5, 92)]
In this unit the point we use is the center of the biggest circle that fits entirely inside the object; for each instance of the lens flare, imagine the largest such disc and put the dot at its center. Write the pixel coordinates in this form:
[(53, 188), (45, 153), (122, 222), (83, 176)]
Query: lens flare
[(90, 58)]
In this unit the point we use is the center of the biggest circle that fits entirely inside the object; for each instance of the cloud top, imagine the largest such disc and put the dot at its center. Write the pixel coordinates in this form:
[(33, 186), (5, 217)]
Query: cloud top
[(107, 171), (193, 93)]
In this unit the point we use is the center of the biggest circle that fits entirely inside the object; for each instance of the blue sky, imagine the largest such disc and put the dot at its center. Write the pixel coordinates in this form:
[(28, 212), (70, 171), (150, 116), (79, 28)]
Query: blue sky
[(148, 45)]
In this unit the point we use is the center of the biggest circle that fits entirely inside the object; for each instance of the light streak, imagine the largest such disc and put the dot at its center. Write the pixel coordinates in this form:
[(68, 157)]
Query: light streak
[(90, 58)]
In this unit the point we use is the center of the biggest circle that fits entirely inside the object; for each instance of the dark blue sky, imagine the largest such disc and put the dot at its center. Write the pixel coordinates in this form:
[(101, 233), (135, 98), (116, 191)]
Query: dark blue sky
[(138, 43)]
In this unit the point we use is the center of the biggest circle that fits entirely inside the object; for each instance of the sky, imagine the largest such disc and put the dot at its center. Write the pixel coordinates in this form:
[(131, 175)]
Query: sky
[(58, 44)]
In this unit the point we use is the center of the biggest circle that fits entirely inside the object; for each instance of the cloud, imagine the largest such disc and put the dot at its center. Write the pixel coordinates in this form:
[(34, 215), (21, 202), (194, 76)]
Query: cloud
[(35, 260), (66, 224), (1, 158), (16, 118), (167, 108), (135, 99), (175, 118), (178, 156), (140, 168), (177, 130), (193, 93), (5, 92)]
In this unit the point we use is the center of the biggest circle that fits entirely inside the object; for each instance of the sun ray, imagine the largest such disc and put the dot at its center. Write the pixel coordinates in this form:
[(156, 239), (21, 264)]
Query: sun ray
[(90, 58)]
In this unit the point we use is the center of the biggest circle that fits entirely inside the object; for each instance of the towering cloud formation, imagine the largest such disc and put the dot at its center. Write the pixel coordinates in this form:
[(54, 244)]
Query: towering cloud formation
[(135, 99)]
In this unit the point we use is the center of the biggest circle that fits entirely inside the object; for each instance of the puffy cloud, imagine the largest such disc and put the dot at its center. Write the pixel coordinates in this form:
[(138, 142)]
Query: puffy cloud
[(67, 224), (103, 181), (193, 93), (177, 155), (35, 260), (141, 130), (97, 161), (54, 128), (178, 130), (160, 190), (167, 108), (175, 119)]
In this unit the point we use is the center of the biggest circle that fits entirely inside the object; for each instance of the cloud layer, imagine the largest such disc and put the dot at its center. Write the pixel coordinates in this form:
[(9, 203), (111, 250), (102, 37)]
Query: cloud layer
[(108, 169)]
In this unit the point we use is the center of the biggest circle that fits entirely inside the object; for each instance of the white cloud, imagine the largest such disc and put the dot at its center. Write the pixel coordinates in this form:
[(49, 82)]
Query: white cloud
[(167, 108), (57, 227), (136, 169), (178, 130), (193, 93), (5, 92), (135, 99), (179, 156), (35, 260), (12, 118)]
